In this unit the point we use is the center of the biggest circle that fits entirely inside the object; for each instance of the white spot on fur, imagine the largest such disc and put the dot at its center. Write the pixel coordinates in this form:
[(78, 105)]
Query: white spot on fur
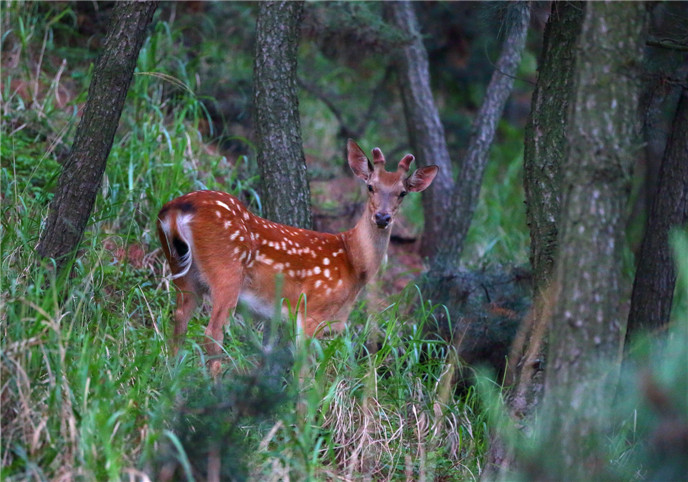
[(222, 205), (326, 261)]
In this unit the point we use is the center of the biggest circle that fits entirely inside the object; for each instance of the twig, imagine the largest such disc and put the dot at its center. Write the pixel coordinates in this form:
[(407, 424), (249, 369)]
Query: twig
[(667, 43)]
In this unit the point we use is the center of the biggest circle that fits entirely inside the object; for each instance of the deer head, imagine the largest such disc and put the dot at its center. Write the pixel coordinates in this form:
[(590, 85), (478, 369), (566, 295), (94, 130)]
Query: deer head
[(387, 189)]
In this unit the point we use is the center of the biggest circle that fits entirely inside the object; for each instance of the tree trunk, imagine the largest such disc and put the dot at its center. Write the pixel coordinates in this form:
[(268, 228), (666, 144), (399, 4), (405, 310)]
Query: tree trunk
[(457, 219), (285, 191), (587, 322), (425, 130), (82, 172), (545, 148), (655, 277), (545, 136), (444, 274)]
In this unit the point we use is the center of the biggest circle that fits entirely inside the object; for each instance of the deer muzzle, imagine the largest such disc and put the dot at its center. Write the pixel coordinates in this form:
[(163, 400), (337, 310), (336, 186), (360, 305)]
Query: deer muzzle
[(382, 220)]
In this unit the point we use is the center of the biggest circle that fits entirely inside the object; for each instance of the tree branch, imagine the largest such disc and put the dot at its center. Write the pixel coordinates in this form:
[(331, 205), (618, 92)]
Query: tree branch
[(472, 168)]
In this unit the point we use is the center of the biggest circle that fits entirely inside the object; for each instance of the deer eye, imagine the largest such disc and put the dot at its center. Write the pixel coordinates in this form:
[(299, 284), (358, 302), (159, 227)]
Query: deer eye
[(370, 188), (402, 193)]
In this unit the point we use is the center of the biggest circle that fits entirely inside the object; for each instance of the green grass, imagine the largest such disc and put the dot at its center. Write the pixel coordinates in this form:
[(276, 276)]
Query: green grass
[(90, 390)]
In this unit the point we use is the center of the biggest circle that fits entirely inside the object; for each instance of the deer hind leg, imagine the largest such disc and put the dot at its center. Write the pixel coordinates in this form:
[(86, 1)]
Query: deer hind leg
[(225, 294), (187, 301)]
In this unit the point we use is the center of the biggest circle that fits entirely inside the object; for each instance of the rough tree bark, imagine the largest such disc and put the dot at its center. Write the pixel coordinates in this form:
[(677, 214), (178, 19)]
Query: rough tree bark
[(587, 322), (655, 277), (545, 148), (457, 219), (425, 130), (285, 191), (82, 172)]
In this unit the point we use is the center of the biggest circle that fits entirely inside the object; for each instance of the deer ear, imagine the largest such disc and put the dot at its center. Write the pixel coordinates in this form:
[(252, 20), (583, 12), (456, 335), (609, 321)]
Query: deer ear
[(421, 178), (358, 162)]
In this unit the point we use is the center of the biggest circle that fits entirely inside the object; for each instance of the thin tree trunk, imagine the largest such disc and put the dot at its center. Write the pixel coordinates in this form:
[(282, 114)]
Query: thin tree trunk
[(458, 218), (82, 173), (425, 130), (587, 322), (285, 191), (655, 277)]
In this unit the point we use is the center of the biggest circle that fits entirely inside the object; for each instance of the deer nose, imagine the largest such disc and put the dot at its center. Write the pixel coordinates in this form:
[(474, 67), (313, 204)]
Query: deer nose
[(382, 219)]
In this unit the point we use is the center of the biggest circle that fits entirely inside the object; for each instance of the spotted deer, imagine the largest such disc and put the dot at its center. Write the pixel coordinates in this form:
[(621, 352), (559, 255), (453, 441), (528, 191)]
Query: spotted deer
[(216, 246)]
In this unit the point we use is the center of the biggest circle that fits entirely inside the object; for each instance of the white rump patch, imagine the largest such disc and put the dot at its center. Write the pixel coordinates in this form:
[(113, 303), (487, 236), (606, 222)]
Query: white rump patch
[(184, 233)]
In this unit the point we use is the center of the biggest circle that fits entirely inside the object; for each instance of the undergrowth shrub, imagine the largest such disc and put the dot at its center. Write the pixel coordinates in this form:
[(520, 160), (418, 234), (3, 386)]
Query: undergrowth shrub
[(643, 433)]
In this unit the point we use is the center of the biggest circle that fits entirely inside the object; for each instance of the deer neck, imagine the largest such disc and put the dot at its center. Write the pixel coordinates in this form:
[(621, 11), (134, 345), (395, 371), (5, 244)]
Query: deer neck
[(366, 245)]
